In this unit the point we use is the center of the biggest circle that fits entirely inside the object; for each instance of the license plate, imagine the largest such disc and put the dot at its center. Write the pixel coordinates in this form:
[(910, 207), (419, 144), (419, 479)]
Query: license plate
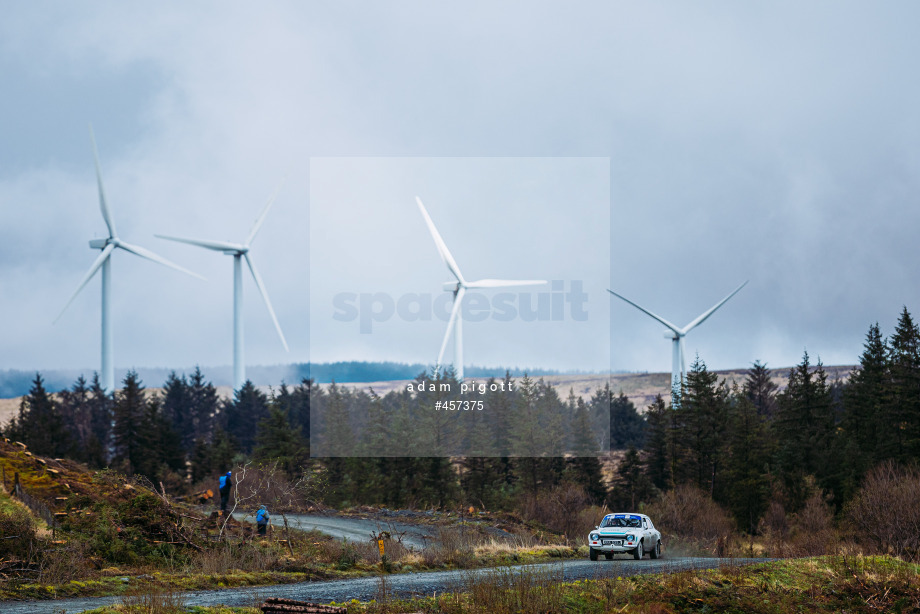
[(612, 542)]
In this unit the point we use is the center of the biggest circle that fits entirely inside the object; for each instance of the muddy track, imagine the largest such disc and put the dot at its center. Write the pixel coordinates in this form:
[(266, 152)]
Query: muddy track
[(404, 585)]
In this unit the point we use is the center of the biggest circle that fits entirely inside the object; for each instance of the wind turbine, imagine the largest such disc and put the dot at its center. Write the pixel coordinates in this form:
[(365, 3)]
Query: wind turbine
[(104, 261), (676, 335), (459, 289), (240, 252)]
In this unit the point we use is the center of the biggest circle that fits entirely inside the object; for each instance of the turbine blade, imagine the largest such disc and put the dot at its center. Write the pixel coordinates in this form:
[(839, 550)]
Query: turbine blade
[(454, 313), (646, 311), (106, 252), (258, 223), (261, 286), (439, 243), (219, 246), (149, 255), (702, 317), (501, 283), (103, 205)]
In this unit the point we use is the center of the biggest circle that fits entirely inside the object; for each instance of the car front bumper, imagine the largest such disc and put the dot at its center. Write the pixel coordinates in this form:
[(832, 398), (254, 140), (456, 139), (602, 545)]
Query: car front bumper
[(613, 544)]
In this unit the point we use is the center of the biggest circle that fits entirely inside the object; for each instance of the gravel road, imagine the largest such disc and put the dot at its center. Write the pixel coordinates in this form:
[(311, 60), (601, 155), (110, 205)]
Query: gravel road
[(414, 536), (368, 588)]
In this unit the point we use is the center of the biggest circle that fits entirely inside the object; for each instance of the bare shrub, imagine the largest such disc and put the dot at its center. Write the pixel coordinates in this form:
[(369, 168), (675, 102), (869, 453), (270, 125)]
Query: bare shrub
[(256, 557), (561, 510), (64, 563), (513, 592), (774, 521), (453, 546), (689, 513), (813, 528), (153, 601), (215, 561), (18, 530), (227, 558), (885, 513), (774, 526)]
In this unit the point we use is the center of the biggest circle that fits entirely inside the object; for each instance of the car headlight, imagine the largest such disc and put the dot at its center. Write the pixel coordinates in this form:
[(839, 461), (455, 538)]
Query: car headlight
[(594, 537), (630, 537)]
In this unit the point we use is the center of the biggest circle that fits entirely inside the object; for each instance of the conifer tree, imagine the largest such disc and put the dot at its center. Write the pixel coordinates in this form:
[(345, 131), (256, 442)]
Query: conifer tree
[(248, 407), (903, 398), (804, 431), (699, 437), (865, 425), (485, 481), (39, 424), (160, 450), (631, 486), (583, 466), (627, 427), (658, 444), (177, 407), (528, 439), (338, 435), (760, 389), (201, 461), (300, 408), (75, 411), (222, 452), (748, 458), (128, 420), (100, 447), (338, 443), (203, 406), (276, 440)]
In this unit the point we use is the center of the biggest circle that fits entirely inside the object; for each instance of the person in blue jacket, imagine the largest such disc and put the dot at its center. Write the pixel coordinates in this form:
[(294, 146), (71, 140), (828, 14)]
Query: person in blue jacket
[(262, 519), (225, 484)]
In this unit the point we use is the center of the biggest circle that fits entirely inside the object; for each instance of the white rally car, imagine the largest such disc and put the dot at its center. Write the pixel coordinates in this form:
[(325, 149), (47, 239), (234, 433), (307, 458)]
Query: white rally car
[(632, 533)]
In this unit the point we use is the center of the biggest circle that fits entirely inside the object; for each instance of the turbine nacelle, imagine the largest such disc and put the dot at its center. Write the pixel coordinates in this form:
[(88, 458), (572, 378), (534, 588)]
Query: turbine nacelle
[(240, 252), (677, 334), (103, 264)]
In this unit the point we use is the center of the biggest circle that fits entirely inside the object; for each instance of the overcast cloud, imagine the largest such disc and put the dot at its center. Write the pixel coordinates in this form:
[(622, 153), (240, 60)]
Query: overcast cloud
[(776, 142)]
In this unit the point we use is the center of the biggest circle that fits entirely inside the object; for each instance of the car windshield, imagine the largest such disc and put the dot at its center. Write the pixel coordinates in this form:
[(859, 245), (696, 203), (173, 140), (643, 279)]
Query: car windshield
[(631, 522)]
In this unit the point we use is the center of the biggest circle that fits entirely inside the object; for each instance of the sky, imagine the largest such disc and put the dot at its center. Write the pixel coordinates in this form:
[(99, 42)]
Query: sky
[(772, 142)]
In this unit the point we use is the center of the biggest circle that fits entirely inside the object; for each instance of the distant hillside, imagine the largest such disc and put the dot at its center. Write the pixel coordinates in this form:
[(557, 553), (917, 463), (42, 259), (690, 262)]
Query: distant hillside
[(15, 383), (640, 388)]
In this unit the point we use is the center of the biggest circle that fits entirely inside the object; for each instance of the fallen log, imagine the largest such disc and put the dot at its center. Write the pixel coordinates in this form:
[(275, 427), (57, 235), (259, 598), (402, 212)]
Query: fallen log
[(274, 605)]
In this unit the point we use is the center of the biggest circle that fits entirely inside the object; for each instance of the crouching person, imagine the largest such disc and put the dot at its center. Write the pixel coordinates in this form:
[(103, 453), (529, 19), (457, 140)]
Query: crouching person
[(262, 520)]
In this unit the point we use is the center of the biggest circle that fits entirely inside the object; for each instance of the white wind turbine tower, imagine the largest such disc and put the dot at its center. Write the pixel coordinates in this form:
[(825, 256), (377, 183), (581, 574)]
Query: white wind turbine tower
[(676, 335), (104, 261), (459, 289), (240, 251)]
